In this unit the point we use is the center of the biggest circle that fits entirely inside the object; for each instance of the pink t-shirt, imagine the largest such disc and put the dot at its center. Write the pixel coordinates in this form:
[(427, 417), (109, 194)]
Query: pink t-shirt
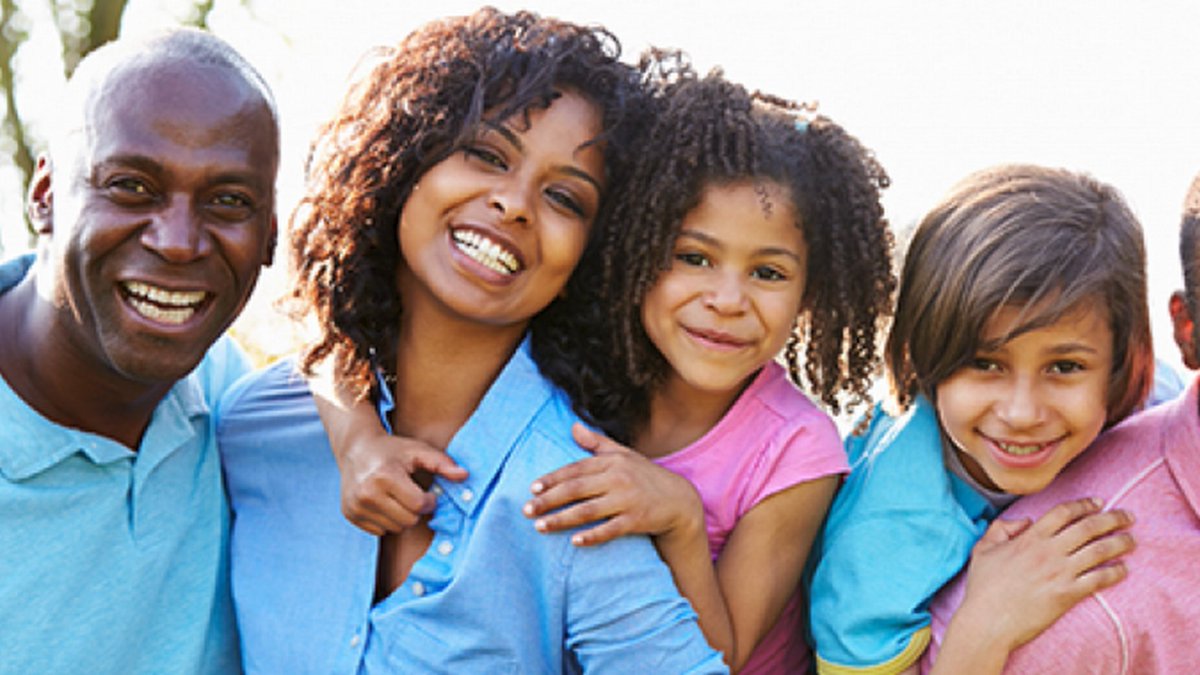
[(771, 439), (1150, 621)]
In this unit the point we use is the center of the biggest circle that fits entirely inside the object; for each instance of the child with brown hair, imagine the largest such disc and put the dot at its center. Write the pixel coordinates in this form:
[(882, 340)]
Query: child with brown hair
[(1021, 332)]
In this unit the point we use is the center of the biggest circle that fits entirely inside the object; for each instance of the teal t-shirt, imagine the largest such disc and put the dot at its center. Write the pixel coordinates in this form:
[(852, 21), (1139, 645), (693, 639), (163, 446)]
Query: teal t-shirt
[(113, 561), (901, 526)]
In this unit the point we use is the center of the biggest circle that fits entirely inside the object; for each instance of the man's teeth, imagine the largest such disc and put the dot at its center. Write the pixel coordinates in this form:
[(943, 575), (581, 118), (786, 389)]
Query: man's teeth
[(156, 313), (162, 296), (1020, 449), (486, 252), (162, 305)]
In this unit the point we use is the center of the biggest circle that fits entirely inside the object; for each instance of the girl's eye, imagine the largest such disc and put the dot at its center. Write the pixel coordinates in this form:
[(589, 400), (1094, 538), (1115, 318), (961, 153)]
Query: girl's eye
[(485, 155), (566, 200), (693, 259), (1065, 367), (768, 273)]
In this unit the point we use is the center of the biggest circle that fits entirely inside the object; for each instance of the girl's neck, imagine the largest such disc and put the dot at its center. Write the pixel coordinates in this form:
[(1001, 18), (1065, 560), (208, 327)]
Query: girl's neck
[(443, 370), (680, 415)]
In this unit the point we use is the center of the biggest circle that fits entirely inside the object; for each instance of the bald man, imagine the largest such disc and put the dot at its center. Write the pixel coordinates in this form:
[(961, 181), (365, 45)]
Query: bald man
[(155, 212)]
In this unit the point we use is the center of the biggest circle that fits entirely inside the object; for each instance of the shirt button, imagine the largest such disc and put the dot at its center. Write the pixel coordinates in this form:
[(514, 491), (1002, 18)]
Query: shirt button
[(437, 490), (418, 589), (467, 495), (445, 547), (355, 640)]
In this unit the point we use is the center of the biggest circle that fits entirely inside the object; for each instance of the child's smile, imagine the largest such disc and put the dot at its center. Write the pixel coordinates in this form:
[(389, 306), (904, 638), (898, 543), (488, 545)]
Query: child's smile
[(728, 303), (1024, 408)]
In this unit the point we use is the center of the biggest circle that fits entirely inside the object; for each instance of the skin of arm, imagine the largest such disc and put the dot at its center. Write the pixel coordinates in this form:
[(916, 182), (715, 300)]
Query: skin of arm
[(380, 493), (763, 557), (1022, 577)]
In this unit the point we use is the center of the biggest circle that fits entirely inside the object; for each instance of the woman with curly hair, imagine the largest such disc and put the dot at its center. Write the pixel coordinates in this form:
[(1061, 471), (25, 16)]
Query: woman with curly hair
[(760, 231), (448, 202)]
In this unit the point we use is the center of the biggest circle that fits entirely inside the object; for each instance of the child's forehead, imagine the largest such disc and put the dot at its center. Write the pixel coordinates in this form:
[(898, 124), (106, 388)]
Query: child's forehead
[(1055, 313)]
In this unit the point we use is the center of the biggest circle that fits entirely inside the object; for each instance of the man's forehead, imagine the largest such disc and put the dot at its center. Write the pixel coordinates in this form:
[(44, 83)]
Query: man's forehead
[(130, 83), (152, 106)]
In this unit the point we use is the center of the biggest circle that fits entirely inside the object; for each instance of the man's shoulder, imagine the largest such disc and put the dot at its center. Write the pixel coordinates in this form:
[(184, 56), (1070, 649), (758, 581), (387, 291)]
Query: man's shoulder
[(13, 270), (269, 387)]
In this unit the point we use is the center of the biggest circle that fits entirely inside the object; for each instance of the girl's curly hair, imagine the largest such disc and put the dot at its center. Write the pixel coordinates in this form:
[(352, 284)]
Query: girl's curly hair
[(422, 99), (710, 131)]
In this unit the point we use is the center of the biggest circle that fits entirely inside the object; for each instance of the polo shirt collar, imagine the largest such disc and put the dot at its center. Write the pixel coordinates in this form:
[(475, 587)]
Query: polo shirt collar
[(484, 443), (34, 444)]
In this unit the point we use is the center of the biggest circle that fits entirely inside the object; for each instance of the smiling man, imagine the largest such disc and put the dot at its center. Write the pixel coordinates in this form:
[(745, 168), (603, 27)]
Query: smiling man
[(155, 213)]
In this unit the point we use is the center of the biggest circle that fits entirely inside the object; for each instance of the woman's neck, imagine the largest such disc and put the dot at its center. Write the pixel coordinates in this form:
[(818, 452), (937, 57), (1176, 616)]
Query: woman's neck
[(443, 370), (680, 415)]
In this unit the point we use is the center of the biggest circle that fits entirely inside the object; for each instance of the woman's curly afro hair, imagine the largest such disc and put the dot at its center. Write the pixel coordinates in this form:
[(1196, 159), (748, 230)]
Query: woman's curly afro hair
[(420, 101)]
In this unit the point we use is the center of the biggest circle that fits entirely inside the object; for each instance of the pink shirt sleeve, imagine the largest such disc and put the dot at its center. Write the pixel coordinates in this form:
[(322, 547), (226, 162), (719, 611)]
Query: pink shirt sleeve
[(811, 449)]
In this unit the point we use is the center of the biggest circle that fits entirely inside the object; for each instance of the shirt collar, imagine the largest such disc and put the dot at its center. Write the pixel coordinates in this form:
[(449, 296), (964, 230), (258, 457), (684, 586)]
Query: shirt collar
[(922, 416), (33, 444), (485, 441)]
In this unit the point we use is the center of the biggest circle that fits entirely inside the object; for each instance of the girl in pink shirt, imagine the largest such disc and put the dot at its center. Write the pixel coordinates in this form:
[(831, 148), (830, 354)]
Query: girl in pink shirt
[(752, 230)]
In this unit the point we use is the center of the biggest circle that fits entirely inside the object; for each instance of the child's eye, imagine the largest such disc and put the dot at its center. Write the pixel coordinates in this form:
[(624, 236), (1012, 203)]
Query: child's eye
[(1066, 367), (485, 155), (984, 365), (768, 273), (693, 259)]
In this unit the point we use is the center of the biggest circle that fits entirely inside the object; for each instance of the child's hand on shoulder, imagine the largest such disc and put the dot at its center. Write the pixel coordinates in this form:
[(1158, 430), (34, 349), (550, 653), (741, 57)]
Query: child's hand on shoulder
[(379, 491), (618, 486), (1022, 577)]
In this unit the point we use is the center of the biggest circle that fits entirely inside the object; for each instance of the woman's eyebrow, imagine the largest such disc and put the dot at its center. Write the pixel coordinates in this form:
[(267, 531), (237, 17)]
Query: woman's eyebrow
[(515, 141)]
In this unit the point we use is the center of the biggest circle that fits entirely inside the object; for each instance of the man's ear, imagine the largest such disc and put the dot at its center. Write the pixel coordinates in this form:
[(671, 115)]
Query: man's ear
[(1185, 330), (40, 203), (272, 240)]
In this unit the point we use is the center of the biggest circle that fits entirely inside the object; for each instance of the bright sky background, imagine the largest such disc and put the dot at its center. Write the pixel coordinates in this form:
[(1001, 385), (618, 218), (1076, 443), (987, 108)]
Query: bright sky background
[(936, 88)]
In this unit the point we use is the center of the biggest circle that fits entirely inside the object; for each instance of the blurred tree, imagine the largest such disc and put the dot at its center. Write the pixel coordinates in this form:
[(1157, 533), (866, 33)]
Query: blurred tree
[(83, 25), (13, 143)]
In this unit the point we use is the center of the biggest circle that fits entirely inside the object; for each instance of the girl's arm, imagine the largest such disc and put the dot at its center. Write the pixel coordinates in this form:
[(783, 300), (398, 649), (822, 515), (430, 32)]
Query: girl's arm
[(1023, 577), (759, 570), (739, 599), (379, 493)]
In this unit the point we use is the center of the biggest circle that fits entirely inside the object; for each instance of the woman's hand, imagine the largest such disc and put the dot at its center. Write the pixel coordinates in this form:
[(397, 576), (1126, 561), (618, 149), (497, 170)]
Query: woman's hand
[(618, 486)]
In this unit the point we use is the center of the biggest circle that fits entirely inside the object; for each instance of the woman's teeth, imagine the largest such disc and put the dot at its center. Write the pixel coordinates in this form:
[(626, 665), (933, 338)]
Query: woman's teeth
[(485, 251)]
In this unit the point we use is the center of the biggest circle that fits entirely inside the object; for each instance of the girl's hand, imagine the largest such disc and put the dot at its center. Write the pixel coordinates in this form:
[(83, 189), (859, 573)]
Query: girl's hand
[(1022, 577), (379, 492), (618, 486)]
